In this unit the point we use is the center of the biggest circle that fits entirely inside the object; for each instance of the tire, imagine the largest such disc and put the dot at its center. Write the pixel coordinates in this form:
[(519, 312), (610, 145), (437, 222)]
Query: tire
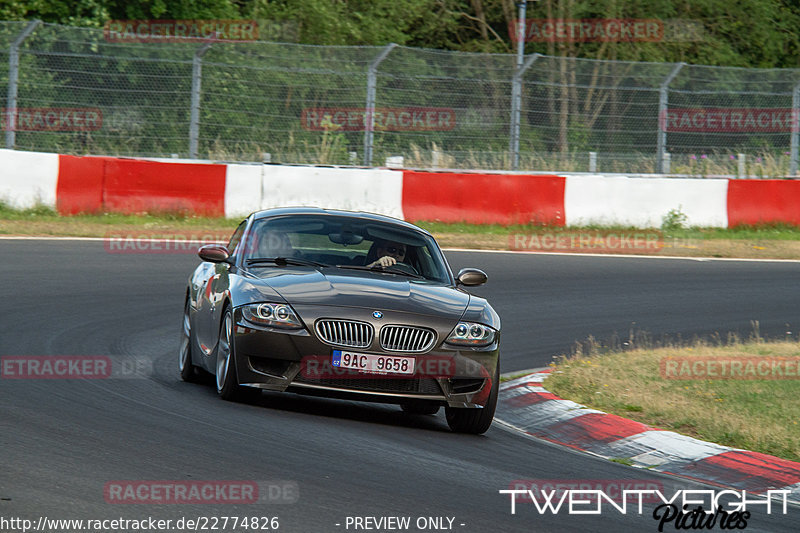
[(188, 371), (420, 407), (475, 421), (227, 380)]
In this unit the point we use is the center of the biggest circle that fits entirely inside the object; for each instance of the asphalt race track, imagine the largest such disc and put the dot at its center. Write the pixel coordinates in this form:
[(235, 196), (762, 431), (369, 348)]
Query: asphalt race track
[(63, 441)]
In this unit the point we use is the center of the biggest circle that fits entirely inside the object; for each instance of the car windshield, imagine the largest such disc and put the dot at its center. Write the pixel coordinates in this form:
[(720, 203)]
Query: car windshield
[(343, 242)]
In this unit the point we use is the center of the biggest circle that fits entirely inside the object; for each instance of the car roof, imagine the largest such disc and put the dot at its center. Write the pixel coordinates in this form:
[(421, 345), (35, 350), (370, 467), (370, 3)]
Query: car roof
[(362, 215)]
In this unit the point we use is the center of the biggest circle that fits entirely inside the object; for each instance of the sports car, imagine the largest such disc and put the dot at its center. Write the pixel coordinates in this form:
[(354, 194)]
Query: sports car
[(342, 304)]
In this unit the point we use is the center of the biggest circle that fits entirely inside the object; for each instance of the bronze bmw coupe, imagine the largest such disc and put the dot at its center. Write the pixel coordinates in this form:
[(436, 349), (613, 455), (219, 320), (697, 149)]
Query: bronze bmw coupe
[(349, 305)]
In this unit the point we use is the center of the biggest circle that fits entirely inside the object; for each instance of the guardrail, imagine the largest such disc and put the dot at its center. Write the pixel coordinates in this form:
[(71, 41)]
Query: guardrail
[(92, 184)]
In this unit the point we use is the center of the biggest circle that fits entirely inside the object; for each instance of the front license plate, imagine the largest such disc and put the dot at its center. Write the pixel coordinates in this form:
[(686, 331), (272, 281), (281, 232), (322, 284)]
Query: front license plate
[(366, 362)]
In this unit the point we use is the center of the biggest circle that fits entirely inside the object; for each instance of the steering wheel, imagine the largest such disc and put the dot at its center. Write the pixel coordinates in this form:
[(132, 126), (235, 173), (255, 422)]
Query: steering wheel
[(403, 267)]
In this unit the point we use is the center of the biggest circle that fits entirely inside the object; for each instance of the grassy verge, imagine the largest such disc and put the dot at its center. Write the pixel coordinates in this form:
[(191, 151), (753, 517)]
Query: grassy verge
[(43, 221), (760, 242), (753, 242), (731, 408)]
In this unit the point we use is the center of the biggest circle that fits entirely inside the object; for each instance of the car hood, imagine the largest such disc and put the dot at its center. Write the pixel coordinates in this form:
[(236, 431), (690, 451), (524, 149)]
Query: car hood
[(357, 288)]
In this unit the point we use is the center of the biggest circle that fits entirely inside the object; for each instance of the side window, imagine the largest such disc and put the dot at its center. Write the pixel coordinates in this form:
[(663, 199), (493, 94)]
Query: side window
[(236, 238)]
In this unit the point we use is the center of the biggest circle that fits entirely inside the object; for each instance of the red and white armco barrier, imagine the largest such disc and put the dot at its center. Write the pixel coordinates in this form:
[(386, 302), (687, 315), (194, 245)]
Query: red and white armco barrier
[(28, 178), (92, 184), (249, 188)]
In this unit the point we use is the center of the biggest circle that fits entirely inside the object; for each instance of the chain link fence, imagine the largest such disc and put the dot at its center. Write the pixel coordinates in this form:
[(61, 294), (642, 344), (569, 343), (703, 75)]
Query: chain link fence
[(70, 90)]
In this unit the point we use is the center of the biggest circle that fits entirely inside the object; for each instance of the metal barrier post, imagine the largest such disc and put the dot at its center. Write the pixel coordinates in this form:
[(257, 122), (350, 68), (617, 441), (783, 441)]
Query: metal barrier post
[(13, 79), (662, 117), (516, 108), (197, 81), (793, 142), (369, 116)]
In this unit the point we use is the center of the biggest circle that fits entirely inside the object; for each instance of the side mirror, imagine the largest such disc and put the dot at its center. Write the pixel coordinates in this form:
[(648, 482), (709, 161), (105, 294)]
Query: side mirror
[(214, 253), (471, 277)]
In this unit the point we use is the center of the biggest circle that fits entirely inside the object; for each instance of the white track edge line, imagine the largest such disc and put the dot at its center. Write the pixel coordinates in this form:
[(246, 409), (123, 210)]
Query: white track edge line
[(618, 256)]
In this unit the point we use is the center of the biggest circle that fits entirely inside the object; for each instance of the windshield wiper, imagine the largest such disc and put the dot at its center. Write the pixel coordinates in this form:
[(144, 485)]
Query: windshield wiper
[(384, 270), (283, 261)]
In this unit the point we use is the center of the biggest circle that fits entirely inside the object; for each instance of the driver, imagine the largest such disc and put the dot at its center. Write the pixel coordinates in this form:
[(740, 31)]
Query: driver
[(389, 253), (274, 243)]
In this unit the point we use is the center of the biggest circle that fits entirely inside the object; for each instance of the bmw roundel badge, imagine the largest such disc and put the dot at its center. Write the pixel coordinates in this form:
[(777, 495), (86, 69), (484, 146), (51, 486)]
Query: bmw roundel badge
[(377, 314)]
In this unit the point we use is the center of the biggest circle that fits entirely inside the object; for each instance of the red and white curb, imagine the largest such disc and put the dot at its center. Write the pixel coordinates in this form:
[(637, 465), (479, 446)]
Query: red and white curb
[(528, 407), (79, 184)]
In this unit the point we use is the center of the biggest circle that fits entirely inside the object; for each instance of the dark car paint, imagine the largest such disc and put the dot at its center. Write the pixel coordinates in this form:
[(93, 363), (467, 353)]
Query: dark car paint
[(329, 292)]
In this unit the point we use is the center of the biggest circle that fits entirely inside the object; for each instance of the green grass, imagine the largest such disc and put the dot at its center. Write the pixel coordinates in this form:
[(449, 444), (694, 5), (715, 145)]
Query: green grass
[(786, 232), (622, 460), (754, 414), (44, 214), (762, 231), (9, 213), (45, 220)]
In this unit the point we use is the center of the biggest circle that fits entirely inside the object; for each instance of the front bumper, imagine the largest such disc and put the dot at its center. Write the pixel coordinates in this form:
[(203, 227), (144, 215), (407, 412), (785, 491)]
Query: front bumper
[(297, 361)]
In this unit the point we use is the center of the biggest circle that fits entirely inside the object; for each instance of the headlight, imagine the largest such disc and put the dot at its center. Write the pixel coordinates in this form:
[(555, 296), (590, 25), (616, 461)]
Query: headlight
[(273, 315), (471, 334)]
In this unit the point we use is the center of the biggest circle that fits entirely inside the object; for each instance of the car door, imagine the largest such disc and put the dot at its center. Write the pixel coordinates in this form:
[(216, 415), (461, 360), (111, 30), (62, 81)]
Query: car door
[(212, 285)]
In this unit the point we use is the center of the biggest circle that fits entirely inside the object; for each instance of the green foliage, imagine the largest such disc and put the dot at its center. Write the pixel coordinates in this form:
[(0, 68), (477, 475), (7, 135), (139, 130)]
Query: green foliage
[(674, 220), (253, 94), (753, 33)]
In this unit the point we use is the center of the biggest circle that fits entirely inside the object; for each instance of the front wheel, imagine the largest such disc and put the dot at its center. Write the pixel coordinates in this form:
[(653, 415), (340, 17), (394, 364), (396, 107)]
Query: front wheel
[(189, 372), (228, 386), (475, 421)]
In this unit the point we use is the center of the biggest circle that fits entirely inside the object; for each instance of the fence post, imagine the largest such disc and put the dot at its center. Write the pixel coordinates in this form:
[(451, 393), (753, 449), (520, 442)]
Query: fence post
[(516, 108), (793, 143), (662, 116), (197, 81), (13, 79), (369, 115)]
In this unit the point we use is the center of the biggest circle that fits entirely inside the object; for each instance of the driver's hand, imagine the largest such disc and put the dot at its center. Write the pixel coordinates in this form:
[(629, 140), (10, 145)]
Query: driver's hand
[(385, 261)]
